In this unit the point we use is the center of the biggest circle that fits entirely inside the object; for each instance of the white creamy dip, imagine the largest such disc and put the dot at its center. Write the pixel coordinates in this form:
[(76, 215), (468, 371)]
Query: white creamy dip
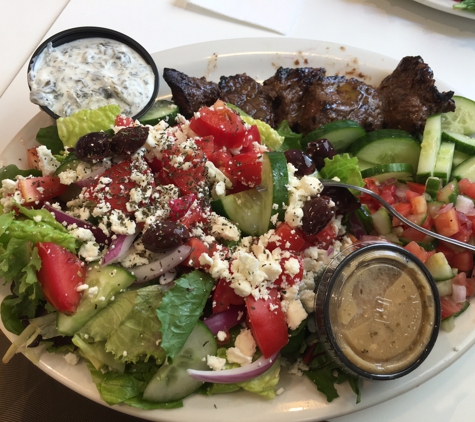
[(90, 73)]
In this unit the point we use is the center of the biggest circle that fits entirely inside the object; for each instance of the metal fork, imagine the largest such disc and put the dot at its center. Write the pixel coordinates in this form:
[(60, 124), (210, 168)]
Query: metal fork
[(392, 211)]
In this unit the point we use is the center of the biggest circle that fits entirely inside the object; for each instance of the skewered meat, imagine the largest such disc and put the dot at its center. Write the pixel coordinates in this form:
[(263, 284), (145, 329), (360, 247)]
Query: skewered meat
[(410, 96), (287, 89), (247, 94), (190, 93)]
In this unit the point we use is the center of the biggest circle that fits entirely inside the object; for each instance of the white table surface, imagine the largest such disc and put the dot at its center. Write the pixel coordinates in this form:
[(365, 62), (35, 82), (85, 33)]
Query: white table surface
[(395, 28)]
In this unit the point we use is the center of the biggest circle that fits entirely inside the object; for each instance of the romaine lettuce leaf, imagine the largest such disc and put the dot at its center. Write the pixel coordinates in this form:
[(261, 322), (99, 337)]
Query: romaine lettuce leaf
[(181, 308), (49, 137), (71, 128), (128, 326), (11, 171), (343, 167)]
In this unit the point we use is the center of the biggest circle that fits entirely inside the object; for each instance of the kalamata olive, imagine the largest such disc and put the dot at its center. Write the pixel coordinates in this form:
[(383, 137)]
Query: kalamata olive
[(128, 140), (300, 161), (318, 150), (345, 201), (92, 147), (165, 235), (36, 341), (317, 213)]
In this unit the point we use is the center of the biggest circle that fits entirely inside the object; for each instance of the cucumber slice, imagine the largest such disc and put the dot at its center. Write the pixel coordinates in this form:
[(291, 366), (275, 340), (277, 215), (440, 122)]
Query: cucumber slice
[(252, 210), (71, 162), (462, 120), (459, 158), (465, 170), (444, 287), (449, 192), (109, 281), (443, 163), (387, 146), (433, 185), (341, 134), (439, 267), (463, 143), (363, 165), (161, 110), (399, 171), (382, 221), (172, 382), (429, 148)]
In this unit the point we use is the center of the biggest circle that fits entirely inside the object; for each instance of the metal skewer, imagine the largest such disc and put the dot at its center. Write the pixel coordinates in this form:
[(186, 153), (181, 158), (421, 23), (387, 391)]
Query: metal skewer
[(392, 211)]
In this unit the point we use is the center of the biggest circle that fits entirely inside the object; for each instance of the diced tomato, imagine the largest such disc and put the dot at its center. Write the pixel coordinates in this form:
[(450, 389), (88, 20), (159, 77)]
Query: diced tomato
[(417, 251), (469, 283), (388, 193), (324, 238), (412, 234), (418, 204), (117, 192), (290, 239), (416, 187), (428, 222), (447, 223), (193, 216), (403, 208), (187, 176), (467, 188), (224, 296), (206, 144), (252, 135), (35, 189), (411, 194), (60, 274), (197, 249), (267, 322), (124, 121), (247, 169), (446, 250), (180, 206), (32, 157), (220, 122), (285, 279), (155, 164), (462, 260), (449, 307)]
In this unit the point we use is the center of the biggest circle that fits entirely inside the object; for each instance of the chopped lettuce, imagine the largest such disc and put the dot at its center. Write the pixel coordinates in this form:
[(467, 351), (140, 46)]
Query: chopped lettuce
[(181, 308), (465, 4), (49, 137), (19, 262), (128, 328), (11, 171), (344, 167), (291, 139), (71, 128)]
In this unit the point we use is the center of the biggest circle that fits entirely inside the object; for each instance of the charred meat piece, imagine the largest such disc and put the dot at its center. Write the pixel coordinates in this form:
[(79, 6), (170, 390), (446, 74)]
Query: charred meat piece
[(410, 96), (247, 94), (287, 89), (190, 93), (334, 98)]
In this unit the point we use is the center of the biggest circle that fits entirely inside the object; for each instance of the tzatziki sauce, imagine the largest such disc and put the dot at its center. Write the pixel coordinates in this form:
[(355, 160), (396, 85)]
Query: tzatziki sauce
[(89, 73)]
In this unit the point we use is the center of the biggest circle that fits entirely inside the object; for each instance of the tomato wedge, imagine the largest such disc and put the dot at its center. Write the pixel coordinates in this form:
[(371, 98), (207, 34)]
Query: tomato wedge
[(267, 322), (60, 274), (220, 122), (35, 189), (224, 296)]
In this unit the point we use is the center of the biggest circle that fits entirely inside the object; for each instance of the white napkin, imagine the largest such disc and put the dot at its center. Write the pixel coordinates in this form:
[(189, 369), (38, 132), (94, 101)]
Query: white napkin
[(276, 15)]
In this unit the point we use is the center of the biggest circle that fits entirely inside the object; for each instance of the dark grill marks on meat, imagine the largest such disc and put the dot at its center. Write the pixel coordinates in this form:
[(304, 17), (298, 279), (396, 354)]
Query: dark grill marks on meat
[(190, 93), (247, 94), (410, 96), (333, 98), (287, 89)]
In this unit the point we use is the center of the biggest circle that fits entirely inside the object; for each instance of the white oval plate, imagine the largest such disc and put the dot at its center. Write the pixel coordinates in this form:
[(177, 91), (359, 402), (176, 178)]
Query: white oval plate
[(300, 400), (447, 6)]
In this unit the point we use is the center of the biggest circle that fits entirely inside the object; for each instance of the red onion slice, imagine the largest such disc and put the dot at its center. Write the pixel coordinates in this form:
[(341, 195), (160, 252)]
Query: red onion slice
[(459, 293), (464, 204), (231, 376), (91, 177), (62, 217), (163, 264), (446, 208), (118, 248), (223, 321)]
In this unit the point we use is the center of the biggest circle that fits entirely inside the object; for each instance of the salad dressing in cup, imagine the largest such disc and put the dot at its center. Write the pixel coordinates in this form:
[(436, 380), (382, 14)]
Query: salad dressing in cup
[(377, 310)]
